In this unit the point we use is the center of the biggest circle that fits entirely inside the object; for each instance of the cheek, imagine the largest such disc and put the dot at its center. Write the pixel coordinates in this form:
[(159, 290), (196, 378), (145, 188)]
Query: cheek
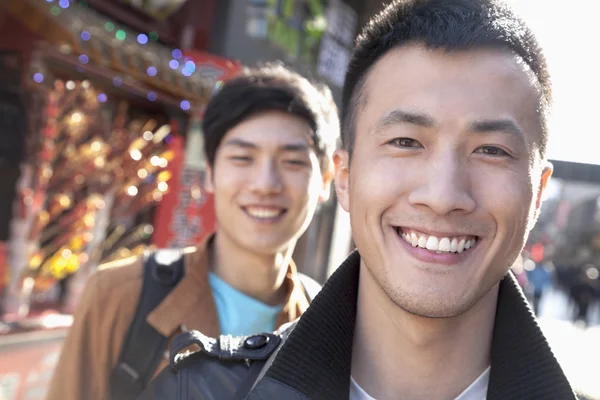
[(306, 187), (376, 185), (507, 197), (227, 181)]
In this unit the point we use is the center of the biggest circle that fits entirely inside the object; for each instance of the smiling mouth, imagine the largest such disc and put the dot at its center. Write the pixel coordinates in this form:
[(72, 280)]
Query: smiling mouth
[(265, 213), (438, 245)]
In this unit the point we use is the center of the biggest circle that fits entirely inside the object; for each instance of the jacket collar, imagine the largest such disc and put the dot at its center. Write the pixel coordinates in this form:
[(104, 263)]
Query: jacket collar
[(190, 305), (316, 358)]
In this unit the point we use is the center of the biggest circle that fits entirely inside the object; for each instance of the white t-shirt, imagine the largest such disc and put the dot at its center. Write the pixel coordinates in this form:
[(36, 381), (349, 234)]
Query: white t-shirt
[(476, 391)]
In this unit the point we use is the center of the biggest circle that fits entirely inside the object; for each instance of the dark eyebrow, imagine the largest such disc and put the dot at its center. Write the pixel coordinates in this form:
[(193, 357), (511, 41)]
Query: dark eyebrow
[(235, 142), (295, 147), (499, 125), (398, 116), (290, 147)]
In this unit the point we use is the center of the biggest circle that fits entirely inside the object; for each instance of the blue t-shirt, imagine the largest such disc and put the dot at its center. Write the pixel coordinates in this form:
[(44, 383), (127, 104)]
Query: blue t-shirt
[(240, 314)]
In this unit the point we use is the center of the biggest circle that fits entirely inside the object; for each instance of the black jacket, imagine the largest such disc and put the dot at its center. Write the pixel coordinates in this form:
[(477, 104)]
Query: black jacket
[(314, 361)]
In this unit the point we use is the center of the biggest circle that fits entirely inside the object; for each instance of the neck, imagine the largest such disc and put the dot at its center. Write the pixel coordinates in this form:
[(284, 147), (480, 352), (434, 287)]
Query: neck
[(418, 357), (261, 276)]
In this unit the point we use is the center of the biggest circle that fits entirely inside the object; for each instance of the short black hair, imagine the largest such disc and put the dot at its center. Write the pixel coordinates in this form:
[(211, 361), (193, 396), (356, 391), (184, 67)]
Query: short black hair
[(441, 24), (271, 87)]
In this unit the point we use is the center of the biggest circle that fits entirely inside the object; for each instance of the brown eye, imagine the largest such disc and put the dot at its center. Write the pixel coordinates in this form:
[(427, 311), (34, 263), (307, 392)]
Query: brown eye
[(296, 162), (406, 143), (492, 151), (240, 159)]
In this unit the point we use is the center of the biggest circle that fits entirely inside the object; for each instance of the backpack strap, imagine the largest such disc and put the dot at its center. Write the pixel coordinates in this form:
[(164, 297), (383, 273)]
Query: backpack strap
[(144, 347)]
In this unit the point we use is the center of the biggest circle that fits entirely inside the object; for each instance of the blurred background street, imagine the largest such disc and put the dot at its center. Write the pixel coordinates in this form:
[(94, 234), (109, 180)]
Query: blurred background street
[(101, 153)]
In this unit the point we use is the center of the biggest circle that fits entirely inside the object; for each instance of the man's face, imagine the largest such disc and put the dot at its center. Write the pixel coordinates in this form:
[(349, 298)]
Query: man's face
[(445, 179), (266, 182)]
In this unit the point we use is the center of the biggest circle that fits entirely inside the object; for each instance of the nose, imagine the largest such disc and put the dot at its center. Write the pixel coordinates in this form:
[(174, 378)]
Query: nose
[(266, 179), (444, 187)]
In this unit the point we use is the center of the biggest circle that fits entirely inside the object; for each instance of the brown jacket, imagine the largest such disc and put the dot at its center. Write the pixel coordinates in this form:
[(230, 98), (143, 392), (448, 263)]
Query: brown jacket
[(106, 309)]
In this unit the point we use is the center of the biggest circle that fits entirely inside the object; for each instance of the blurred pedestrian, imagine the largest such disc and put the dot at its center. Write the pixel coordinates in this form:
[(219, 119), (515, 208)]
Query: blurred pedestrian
[(269, 135)]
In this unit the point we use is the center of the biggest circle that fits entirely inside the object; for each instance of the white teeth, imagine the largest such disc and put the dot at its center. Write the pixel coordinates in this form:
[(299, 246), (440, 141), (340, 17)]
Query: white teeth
[(461, 246), (432, 243), (454, 245), (263, 212), (443, 245), (414, 240)]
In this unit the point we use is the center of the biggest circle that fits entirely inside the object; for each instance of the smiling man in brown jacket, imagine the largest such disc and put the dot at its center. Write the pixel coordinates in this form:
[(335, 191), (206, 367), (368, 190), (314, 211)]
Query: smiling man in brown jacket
[(269, 136)]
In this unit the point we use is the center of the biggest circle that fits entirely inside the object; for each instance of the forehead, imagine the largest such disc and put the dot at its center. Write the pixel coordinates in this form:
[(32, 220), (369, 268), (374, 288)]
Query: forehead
[(270, 130), (453, 86)]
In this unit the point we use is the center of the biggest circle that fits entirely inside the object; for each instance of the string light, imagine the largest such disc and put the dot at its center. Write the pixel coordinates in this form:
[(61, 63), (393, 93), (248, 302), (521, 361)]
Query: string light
[(135, 154), (148, 135), (63, 3), (38, 77), (96, 146), (121, 35), (185, 105), (151, 71), (174, 64), (132, 191), (142, 39), (190, 65), (85, 36), (76, 117)]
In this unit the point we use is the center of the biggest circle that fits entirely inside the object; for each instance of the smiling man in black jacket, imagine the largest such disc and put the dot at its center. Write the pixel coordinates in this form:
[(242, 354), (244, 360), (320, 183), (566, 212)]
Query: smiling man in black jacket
[(442, 171)]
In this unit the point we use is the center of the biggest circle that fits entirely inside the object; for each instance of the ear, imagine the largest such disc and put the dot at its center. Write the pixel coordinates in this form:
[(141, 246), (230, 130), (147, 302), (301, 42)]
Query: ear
[(326, 188), (209, 184), (544, 179), (341, 162)]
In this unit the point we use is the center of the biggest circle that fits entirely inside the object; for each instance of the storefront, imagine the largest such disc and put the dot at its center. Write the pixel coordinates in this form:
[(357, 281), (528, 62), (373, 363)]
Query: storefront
[(109, 159)]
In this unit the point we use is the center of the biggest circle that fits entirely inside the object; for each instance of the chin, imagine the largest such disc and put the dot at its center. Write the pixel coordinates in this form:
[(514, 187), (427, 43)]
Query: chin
[(266, 246), (432, 301)]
